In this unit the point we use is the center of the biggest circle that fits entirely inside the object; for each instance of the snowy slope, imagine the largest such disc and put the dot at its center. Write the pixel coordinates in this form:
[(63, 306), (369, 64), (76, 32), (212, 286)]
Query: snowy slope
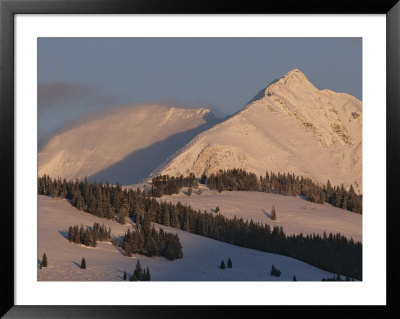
[(291, 127), (123, 145), (105, 262), (294, 214)]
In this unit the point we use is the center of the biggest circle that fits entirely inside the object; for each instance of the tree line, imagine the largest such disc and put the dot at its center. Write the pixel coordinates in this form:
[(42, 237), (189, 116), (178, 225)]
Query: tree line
[(112, 202), (165, 185), (284, 184), (333, 252)]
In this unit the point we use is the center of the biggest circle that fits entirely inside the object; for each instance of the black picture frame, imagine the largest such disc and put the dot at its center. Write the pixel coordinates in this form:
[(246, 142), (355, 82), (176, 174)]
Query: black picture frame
[(8, 8)]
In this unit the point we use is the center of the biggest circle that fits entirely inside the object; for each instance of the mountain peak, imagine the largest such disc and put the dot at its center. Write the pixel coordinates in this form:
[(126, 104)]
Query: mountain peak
[(293, 78), (295, 74)]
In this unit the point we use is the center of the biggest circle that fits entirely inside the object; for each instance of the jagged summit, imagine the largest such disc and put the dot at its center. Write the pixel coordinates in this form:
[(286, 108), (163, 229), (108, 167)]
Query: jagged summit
[(295, 74), (294, 79)]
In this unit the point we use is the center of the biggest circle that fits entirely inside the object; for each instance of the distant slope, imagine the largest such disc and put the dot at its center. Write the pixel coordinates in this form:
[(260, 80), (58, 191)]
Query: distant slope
[(200, 262), (291, 127), (294, 214), (123, 145)]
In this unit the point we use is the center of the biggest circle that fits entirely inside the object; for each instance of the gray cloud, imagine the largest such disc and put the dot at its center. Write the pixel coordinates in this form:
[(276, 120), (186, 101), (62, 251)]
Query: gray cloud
[(52, 94), (61, 94)]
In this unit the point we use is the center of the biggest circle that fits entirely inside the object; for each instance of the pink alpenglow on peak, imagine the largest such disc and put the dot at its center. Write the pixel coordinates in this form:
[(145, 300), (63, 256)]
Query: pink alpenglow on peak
[(291, 126)]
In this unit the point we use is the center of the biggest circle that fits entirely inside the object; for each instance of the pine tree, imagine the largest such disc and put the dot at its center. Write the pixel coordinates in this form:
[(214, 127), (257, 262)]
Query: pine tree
[(203, 178), (275, 272), (152, 248), (273, 213), (217, 210), (143, 276), (174, 248), (83, 263), (174, 218), (186, 224), (138, 272), (148, 274), (76, 237), (44, 260), (294, 278), (229, 264), (123, 213), (124, 275), (222, 265), (166, 216)]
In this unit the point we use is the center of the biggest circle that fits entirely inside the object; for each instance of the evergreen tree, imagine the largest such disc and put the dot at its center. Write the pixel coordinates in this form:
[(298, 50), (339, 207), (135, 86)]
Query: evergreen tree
[(144, 275), (174, 248), (76, 237), (189, 191), (123, 213), (222, 265), (294, 278), (186, 224), (338, 197), (217, 210), (275, 272), (148, 274), (229, 264), (152, 248), (138, 272), (174, 218), (44, 260), (166, 216), (83, 263), (125, 275), (273, 213), (70, 233)]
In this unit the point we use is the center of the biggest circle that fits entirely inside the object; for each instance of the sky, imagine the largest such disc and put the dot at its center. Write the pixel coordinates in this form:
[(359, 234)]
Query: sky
[(77, 76)]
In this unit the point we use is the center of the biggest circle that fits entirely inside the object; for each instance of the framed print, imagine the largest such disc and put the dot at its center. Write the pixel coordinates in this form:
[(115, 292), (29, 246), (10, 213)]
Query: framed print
[(226, 156)]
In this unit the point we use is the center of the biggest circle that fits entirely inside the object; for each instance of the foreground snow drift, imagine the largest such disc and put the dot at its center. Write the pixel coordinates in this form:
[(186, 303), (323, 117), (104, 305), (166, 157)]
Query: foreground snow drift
[(200, 262)]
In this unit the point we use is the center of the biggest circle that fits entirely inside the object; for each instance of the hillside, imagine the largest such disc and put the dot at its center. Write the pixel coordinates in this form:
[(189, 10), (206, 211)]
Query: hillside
[(122, 145), (290, 126), (294, 214), (105, 262)]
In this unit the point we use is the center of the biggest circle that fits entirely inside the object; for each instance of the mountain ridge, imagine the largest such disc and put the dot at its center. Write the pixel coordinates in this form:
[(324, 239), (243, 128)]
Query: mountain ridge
[(123, 139), (293, 115)]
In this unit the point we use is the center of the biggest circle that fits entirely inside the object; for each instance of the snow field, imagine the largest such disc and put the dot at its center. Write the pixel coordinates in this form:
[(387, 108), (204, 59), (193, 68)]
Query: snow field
[(294, 214), (202, 256)]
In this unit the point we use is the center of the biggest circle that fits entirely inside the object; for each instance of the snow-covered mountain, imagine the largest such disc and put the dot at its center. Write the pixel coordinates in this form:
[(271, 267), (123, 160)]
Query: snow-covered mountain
[(123, 145), (291, 126)]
